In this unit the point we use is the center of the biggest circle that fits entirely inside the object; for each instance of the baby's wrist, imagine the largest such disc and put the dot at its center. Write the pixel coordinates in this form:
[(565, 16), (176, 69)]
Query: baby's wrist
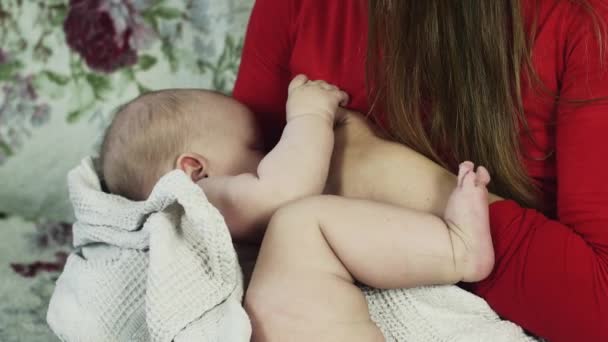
[(327, 118)]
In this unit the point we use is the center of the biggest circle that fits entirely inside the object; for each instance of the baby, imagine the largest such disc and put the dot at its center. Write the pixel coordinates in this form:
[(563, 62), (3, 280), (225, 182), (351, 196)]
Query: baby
[(215, 141), (315, 249)]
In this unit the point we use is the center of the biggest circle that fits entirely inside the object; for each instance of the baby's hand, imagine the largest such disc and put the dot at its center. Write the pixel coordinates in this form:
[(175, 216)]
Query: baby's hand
[(314, 98)]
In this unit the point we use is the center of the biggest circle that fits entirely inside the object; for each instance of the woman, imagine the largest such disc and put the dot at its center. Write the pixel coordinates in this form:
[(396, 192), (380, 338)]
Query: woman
[(517, 85)]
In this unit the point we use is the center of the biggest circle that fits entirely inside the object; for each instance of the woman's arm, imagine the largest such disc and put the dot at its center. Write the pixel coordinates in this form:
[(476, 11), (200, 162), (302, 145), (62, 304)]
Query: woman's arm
[(552, 275)]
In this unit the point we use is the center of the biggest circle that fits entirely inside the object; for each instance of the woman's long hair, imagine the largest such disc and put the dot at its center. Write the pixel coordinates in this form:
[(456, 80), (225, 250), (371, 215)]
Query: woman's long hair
[(447, 73)]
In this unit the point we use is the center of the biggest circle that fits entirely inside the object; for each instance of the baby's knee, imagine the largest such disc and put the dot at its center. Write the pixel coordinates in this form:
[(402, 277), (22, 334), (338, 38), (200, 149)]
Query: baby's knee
[(290, 223)]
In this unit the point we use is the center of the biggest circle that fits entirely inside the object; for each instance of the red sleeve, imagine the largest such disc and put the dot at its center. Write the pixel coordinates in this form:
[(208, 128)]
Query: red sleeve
[(264, 73), (551, 277)]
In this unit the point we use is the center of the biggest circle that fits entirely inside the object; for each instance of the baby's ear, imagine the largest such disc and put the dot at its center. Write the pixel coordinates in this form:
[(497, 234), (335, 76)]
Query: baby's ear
[(194, 165)]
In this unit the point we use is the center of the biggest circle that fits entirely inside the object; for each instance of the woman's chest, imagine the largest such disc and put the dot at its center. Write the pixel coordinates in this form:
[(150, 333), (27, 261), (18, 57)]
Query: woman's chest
[(330, 43)]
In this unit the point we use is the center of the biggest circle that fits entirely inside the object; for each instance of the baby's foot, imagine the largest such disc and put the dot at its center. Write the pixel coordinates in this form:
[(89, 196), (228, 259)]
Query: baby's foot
[(467, 217)]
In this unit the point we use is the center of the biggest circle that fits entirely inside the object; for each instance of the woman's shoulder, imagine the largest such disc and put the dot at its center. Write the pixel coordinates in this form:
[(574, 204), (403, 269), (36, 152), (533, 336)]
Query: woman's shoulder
[(564, 24), (580, 11), (589, 12)]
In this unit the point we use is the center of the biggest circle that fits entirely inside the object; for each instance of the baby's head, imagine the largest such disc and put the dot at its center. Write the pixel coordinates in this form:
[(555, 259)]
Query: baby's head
[(201, 132)]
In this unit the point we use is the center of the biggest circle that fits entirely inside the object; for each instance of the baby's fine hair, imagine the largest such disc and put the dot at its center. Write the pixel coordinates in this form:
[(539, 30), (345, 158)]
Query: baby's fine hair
[(146, 137)]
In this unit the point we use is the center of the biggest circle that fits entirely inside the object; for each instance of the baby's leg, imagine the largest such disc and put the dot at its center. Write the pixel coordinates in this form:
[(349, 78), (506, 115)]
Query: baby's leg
[(302, 287), (299, 290)]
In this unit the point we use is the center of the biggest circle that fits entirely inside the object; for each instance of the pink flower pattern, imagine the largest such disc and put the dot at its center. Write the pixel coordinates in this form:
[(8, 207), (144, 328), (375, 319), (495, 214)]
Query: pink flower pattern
[(90, 32)]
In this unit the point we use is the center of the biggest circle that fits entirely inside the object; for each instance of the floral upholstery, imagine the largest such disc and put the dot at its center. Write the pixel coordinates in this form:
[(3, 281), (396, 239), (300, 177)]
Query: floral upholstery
[(65, 65)]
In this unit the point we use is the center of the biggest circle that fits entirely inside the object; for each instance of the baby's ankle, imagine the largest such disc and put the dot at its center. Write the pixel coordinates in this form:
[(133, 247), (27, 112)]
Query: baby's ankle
[(472, 262)]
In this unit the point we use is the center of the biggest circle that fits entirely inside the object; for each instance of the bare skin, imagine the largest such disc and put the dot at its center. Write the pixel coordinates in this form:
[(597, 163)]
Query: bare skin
[(303, 287), (360, 155), (295, 168), (340, 246)]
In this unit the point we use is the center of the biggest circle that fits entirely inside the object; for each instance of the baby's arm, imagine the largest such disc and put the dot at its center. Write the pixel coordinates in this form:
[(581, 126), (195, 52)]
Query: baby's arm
[(297, 166)]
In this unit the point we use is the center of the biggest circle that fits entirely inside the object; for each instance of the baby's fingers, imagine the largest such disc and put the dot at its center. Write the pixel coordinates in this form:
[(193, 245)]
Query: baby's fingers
[(341, 95), (297, 81), (343, 98), (323, 85)]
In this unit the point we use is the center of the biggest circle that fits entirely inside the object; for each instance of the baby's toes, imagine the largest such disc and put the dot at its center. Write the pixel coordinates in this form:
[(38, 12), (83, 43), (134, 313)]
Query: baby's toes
[(464, 168), (467, 164), (482, 176), (468, 180)]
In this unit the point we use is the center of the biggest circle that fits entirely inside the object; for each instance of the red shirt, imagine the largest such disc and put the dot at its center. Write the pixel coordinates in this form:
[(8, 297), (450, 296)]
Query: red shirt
[(551, 274)]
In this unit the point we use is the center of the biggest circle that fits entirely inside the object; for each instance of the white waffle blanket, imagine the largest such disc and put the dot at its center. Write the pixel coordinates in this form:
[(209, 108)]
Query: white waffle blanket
[(160, 270), (166, 270)]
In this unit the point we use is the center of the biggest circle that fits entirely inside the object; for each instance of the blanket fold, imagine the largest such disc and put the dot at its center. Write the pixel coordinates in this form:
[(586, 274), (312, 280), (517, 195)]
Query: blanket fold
[(163, 269)]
